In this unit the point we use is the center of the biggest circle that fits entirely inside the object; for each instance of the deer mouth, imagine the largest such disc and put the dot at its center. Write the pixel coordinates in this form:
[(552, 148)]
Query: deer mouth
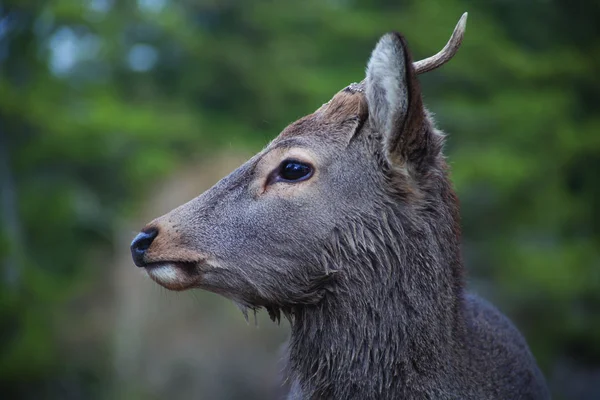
[(175, 275)]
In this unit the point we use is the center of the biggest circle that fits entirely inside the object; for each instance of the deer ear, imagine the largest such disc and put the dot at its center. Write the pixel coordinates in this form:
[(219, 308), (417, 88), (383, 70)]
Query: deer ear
[(394, 99)]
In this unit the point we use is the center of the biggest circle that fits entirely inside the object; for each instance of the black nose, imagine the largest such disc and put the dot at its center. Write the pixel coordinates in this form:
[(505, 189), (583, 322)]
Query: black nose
[(140, 244)]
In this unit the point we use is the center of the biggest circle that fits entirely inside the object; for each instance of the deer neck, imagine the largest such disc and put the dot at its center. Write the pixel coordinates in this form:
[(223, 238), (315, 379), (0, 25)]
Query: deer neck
[(393, 315)]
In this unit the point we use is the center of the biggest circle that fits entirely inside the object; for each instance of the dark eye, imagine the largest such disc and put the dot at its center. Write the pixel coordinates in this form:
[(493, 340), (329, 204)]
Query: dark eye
[(292, 171)]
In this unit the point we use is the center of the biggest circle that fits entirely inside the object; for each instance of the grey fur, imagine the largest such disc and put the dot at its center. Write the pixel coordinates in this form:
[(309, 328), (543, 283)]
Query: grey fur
[(363, 258)]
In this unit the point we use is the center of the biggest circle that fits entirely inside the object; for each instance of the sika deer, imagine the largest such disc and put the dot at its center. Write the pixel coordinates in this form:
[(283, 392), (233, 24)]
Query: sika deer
[(347, 224)]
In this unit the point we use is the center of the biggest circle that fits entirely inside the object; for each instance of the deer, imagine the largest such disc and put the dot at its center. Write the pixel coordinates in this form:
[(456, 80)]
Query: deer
[(347, 225)]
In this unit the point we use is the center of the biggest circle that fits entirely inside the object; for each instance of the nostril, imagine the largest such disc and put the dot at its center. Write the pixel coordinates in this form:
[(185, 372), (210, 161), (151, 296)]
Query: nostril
[(140, 244), (144, 239)]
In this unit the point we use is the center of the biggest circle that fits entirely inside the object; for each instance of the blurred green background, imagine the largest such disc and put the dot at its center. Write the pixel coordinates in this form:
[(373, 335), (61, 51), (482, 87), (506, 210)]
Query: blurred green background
[(114, 111)]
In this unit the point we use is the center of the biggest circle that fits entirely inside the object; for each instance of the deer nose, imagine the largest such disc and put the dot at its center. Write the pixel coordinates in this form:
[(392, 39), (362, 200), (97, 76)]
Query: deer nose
[(140, 244)]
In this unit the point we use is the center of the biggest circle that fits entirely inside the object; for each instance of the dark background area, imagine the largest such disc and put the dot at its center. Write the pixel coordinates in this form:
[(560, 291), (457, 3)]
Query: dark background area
[(114, 111)]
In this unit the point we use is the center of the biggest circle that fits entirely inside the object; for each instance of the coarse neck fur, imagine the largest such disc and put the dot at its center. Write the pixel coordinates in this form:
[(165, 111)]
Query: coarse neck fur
[(393, 318)]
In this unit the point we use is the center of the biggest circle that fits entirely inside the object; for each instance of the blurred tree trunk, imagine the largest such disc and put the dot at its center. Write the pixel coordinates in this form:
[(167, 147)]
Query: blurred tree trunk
[(10, 216)]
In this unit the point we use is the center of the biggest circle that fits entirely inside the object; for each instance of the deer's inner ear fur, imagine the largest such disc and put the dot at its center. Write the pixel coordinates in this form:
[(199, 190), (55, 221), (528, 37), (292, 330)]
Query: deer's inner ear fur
[(394, 100)]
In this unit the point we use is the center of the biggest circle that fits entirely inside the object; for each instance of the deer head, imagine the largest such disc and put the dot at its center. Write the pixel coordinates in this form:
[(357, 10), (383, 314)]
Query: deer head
[(269, 234)]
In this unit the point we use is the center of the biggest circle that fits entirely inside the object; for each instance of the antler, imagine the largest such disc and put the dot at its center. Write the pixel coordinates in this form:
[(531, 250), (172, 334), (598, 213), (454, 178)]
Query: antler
[(447, 52), (434, 61)]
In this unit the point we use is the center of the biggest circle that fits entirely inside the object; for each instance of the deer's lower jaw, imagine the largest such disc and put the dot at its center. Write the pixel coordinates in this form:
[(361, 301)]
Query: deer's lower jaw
[(175, 275)]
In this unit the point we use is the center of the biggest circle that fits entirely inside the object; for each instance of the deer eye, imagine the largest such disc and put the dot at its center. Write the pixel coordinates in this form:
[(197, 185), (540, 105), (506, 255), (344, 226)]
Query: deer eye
[(294, 171)]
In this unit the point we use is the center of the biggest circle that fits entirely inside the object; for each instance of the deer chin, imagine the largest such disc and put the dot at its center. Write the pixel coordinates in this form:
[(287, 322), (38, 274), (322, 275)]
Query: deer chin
[(174, 275)]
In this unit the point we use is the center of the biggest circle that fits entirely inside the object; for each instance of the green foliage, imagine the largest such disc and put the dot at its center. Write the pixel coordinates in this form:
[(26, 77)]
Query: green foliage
[(100, 99)]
